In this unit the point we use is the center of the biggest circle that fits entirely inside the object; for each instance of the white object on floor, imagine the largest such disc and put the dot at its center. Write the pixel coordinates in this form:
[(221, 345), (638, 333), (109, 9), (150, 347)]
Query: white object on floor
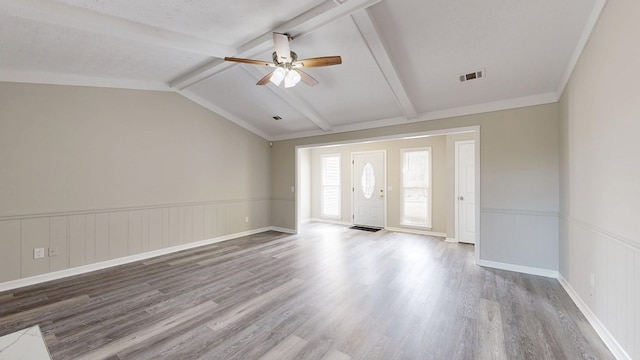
[(26, 344)]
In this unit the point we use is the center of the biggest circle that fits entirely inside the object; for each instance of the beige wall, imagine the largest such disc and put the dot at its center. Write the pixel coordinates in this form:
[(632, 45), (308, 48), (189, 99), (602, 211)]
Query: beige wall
[(519, 180), (392, 148), (600, 211), (104, 173)]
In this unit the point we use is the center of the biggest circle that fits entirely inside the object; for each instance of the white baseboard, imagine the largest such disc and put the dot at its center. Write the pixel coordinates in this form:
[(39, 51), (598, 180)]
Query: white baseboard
[(14, 284), (330, 221), (451, 240), (416, 231), (602, 331), (283, 230), (519, 268)]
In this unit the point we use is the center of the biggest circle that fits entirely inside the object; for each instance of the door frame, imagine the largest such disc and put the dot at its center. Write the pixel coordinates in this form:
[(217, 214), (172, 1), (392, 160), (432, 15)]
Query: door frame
[(455, 190), (384, 182)]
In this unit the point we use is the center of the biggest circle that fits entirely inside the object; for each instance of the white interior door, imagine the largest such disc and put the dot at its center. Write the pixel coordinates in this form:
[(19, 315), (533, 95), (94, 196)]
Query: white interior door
[(368, 189), (465, 192)]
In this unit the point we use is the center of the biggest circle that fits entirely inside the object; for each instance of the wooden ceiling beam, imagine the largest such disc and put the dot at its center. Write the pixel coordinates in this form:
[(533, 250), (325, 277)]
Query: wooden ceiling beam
[(376, 46), (307, 22)]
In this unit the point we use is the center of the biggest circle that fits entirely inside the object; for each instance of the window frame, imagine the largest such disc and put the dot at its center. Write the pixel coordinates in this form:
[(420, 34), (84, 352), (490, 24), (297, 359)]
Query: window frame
[(323, 186), (429, 188)]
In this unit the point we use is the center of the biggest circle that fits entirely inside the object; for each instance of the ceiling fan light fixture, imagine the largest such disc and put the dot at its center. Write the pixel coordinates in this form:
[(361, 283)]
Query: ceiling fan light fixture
[(278, 76), (292, 78)]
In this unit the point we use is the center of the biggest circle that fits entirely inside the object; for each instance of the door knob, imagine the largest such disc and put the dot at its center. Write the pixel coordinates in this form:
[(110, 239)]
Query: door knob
[(461, 198)]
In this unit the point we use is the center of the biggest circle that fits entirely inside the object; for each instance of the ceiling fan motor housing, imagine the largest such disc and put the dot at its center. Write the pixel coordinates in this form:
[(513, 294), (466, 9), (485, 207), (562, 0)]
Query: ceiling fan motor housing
[(294, 58)]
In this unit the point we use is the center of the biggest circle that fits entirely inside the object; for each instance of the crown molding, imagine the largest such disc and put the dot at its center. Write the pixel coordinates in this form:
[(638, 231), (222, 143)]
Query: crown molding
[(514, 103), (225, 114), (582, 43)]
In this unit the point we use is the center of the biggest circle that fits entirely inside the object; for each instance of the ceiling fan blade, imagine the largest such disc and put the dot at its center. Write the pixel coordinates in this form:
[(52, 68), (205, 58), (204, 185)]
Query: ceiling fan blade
[(265, 79), (306, 78), (281, 44), (249, 61), (318, 61)]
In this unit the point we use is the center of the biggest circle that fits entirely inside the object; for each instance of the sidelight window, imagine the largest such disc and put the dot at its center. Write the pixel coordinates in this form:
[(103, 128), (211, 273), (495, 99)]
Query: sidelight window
[(416, 187), (330, 200)]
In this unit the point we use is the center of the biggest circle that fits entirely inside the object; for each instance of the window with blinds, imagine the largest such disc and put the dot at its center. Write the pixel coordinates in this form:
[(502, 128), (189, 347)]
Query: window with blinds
[(330, 199), (416, 187)]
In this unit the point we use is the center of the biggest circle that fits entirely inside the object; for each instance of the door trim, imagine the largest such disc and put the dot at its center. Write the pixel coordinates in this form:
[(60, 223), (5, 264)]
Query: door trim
[(384, 182)]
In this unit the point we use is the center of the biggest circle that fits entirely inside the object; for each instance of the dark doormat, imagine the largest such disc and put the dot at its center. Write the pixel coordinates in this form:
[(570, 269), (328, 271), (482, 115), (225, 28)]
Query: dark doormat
[(364, 228)]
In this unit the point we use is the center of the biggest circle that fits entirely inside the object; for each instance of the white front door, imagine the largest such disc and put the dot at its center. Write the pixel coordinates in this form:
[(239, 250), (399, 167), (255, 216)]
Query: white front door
[(368, 188), (465, 192)]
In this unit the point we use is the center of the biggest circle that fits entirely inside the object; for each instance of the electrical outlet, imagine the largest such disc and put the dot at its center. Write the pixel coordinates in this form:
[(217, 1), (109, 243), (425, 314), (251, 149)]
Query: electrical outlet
[(53, 251), (246, 219), (38, 253)]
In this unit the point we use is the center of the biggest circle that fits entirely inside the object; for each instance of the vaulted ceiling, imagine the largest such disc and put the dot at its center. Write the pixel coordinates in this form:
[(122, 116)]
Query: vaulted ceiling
[(402, 59)]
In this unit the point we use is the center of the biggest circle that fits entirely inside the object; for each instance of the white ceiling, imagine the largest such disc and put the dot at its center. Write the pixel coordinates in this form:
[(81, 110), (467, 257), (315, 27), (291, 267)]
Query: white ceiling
[(401, 58)]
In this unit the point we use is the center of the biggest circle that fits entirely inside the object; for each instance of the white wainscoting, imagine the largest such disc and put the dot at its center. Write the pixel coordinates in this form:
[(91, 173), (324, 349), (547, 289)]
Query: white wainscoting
[(87, 237), (123, 260), (601, 272), (528, 239)]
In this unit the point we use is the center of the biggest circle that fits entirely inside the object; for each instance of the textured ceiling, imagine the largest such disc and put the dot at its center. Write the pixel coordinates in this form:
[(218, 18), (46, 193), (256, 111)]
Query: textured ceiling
[(220, 21), (401, 58), (29, 46)]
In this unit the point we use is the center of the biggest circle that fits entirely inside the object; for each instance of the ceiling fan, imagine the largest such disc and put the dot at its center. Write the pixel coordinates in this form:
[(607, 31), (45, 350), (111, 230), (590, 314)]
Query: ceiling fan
[(286, 64)]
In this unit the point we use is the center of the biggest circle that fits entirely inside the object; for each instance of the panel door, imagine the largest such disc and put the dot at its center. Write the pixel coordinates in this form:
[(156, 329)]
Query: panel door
[(368, 189), (466, 187)]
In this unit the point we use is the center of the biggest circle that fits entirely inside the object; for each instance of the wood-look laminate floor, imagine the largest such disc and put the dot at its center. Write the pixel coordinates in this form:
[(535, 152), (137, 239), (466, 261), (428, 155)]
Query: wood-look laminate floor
[(327, 293)]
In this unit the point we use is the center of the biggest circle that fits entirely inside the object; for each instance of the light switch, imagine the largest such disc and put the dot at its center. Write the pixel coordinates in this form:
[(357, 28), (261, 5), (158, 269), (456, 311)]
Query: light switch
[(293, 189), (38, 253)]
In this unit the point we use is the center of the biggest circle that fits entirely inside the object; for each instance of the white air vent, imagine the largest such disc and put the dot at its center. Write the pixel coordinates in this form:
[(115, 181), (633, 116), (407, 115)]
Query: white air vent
[(472, 76)]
